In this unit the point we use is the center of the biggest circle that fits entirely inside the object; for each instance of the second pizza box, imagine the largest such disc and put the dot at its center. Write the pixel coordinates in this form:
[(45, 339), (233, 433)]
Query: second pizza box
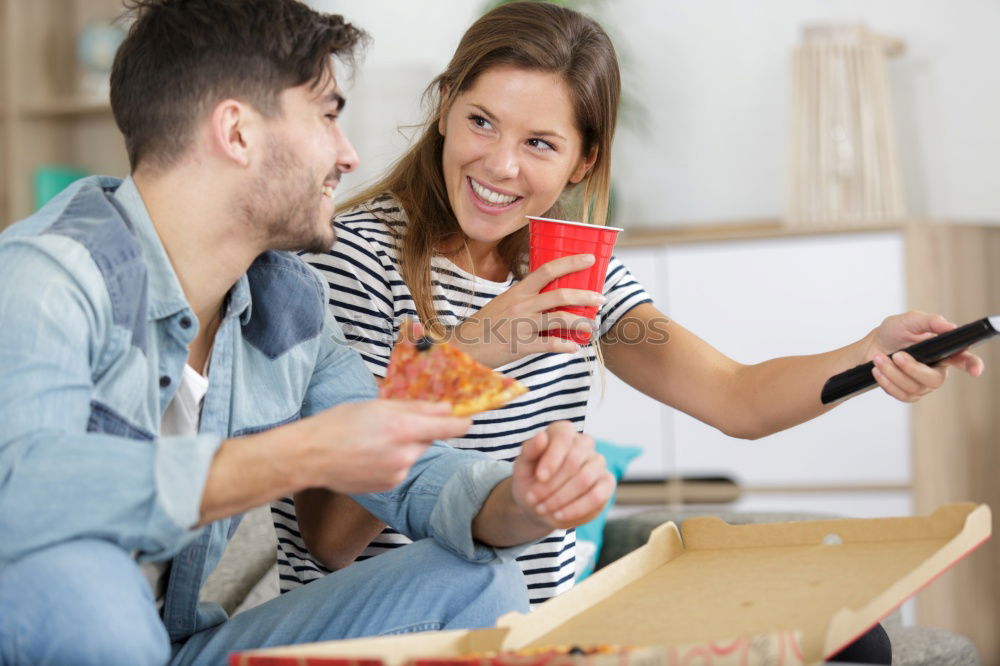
[(712, 593)]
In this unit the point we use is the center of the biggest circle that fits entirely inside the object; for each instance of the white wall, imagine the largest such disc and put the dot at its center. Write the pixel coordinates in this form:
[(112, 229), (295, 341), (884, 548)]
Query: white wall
[(714, 75), (412, 41)]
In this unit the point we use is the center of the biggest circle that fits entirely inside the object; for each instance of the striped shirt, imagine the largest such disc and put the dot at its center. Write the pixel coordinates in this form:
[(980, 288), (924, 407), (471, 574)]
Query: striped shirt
[(369, 299)]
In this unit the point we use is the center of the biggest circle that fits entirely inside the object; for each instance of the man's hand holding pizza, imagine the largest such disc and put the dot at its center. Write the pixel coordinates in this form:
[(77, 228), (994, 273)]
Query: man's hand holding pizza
[(559, 481)]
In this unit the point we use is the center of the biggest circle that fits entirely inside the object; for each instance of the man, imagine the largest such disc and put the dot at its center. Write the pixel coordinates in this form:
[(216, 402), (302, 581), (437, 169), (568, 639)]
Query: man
[(165, 367)]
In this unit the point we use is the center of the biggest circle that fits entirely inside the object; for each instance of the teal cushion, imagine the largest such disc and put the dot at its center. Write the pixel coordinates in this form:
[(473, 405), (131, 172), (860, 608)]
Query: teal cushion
[(589, 536)]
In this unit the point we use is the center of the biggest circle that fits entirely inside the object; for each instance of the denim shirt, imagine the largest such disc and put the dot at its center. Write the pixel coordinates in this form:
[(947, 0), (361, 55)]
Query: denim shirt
[(94, 330)]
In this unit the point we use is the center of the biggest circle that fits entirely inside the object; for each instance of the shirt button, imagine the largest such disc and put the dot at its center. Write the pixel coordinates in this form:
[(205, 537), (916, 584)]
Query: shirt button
[(185, 322), (164, 381)]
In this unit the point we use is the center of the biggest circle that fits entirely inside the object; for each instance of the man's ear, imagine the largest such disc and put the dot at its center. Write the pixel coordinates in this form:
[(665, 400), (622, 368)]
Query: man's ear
[(234, 130), (584, 167)]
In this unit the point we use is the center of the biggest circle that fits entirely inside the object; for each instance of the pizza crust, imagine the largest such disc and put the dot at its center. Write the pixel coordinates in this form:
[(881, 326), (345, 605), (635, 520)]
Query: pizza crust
[(488, 401)]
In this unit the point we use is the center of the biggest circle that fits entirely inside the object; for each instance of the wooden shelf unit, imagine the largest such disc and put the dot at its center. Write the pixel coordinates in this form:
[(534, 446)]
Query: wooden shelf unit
[(44, 117), (955, 269), (65, 107), (6, 71)]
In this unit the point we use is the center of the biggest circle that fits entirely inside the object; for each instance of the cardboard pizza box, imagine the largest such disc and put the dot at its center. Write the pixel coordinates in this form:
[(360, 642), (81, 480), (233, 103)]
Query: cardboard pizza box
[(751, 594)]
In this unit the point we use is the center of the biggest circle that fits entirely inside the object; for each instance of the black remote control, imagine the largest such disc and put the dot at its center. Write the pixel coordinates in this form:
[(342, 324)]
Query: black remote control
[(928, 351)]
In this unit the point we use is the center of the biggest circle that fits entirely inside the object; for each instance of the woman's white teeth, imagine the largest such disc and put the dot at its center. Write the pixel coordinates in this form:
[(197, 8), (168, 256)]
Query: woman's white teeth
[(328, 192), (491, 196)]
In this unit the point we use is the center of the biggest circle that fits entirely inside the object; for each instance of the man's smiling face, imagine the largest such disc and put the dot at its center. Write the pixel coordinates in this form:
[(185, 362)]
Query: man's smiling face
[(305, 154)]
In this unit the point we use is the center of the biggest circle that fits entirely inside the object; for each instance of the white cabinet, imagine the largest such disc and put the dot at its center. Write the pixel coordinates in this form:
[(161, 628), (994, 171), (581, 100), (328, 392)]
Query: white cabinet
[(757, 299)]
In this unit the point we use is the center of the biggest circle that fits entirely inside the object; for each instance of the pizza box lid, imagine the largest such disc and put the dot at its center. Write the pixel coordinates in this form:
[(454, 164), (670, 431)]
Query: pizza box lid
[(826, 581)]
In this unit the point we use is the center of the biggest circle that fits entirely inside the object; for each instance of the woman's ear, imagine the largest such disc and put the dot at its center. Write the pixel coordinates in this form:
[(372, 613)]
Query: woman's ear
[(584, 167), (443, 105)]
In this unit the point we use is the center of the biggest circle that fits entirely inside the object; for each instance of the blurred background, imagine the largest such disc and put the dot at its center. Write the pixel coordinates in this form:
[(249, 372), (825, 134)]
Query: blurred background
[(788, 173), (714, 79)]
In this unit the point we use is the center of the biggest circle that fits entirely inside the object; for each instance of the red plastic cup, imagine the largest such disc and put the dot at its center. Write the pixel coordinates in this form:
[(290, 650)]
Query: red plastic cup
[(551, 239)]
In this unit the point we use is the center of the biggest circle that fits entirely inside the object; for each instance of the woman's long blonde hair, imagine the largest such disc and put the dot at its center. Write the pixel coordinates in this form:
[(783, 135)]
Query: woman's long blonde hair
[(533, 36)]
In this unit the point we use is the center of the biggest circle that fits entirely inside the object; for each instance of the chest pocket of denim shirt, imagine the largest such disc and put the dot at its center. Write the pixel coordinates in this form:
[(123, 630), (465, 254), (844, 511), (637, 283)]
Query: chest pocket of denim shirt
[(276, 356), (250, 430), (266, 393), (105, 420)]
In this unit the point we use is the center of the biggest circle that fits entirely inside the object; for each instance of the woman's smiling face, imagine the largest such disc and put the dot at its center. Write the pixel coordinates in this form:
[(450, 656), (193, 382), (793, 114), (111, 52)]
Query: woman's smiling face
[(511, 146)]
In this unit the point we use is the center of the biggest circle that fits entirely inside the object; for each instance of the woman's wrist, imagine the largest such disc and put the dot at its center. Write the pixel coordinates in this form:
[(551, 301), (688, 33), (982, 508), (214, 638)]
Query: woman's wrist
[(466, 339), (866, 347)]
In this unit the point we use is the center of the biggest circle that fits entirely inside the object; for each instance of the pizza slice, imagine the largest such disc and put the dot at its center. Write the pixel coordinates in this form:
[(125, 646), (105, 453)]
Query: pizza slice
[(421, 369)]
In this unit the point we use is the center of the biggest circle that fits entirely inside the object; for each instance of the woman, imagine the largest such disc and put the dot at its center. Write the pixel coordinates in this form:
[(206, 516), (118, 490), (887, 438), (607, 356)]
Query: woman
[(523, 122)]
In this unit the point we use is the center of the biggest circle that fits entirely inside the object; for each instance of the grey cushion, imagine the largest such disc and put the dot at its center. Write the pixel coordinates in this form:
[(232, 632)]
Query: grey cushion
[(248, 565), (927, 646), (267, 588)]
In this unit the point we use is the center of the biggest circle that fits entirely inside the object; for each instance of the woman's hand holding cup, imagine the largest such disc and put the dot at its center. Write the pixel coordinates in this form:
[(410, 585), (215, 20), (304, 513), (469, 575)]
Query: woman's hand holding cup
[(515, 323)]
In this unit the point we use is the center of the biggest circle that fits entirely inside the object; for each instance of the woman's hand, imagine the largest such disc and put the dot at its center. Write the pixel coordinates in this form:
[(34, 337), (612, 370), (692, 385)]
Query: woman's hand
[(510, 326), (902, 376), (559, 479)]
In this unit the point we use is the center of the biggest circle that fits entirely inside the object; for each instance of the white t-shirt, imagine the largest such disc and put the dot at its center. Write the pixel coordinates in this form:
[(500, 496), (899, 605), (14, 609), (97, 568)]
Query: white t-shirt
[(369, 299), (183, 415), (181, 419)]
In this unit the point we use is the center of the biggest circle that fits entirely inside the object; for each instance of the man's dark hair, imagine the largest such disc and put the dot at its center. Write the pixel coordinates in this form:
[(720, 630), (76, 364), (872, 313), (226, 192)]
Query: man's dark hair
[(181, 57)]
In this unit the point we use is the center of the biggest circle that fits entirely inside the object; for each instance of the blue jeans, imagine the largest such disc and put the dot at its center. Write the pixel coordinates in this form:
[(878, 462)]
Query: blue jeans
[(86, 602)]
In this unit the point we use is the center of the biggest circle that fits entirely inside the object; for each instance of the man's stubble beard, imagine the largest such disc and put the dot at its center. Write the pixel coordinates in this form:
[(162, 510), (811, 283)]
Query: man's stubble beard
[(283, 203)]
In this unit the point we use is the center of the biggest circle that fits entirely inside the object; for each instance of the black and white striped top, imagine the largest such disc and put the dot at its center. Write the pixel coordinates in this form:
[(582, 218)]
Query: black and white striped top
[(368, 297)]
